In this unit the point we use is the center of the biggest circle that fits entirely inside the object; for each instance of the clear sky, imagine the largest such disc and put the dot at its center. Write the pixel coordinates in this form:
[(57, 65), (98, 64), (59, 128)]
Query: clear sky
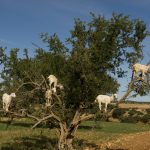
[(21, 21)]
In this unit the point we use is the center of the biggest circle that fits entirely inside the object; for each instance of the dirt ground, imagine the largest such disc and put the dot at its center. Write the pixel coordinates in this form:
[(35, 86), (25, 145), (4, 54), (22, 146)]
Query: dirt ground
[(138, 141), (137, 106)]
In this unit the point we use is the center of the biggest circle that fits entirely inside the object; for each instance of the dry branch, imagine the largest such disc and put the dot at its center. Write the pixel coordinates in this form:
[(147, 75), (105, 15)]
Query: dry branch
[(41, 120)]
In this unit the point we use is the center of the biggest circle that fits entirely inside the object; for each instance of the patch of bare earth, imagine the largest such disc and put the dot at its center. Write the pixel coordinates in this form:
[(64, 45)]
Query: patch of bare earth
[(138, 106), (138, 141)]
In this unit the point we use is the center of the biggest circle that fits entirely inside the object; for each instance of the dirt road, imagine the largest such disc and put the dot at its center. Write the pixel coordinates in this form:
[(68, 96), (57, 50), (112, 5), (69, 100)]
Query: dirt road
[(138, 141), (137, 106)]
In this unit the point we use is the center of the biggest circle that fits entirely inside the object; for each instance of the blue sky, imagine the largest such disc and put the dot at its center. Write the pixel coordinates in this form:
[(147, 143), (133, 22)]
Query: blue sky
[(21, 21)]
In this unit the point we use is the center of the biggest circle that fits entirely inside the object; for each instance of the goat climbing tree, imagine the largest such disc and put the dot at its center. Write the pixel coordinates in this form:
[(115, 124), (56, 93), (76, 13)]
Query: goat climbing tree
[(138, 85), (85, 68)]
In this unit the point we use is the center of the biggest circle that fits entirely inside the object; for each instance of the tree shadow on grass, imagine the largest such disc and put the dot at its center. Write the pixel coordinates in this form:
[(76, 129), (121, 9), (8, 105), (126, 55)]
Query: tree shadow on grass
[(31, 143), (89, 127), (43, 143), (81, 144), (23, 124)]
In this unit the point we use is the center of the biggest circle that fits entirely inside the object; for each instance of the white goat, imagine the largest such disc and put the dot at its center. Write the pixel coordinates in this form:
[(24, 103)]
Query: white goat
[(7, 100), (53, 81), (143, 69), (60, 86), (105, 99), (48, 97)]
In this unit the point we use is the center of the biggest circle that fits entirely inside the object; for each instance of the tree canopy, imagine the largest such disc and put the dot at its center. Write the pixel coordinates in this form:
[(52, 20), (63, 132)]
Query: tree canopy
[(87, 64)]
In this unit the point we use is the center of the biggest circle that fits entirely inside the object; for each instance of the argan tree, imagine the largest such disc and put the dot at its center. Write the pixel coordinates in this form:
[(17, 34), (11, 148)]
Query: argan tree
[(87, 64)]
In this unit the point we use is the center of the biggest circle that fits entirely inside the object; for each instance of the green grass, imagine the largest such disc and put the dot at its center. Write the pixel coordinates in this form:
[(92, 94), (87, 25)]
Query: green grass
[(106, 131), (115, 127), (20, 134), (16, 124)]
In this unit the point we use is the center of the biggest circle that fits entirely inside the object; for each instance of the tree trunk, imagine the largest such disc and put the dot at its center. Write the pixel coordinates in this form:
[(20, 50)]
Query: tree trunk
[(129, 90), (65, 142), (66, 137), (67, 134), (125, 95)]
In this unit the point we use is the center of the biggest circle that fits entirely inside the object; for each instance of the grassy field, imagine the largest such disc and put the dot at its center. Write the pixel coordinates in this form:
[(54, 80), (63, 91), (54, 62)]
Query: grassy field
[(19, 136)]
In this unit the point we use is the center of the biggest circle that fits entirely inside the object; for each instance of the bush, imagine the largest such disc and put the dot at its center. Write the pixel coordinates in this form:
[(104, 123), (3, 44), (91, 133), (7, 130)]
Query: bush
[(145, 118), (118, 112), (101, 117), (112, 106), (134, 112), (148, 110), (130, 119)]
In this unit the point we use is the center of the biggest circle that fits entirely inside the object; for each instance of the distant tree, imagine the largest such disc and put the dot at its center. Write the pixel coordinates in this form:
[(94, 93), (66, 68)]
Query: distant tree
[(88, 66)]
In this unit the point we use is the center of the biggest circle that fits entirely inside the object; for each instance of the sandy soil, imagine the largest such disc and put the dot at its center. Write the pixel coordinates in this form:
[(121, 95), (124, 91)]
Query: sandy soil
[(139, 106), (138, 141)]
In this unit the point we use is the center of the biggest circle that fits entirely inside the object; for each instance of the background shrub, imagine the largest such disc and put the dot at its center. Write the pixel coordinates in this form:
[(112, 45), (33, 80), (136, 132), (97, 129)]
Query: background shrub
[(130, 119), (145, 118), (118, 112), (133, 112), (148, 110)]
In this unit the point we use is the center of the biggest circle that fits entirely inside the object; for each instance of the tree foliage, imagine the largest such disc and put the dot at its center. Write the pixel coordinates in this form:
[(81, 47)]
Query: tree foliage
[(87, 64)]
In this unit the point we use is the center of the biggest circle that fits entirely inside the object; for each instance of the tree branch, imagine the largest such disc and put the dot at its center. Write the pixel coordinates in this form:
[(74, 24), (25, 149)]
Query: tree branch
[(41, 120), (22, 115)]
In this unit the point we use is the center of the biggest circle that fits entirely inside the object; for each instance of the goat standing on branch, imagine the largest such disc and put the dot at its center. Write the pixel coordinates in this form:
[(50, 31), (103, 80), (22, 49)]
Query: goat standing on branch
[(143, 69), (48, 97), (7, 100), (53, 81), (105, 99)]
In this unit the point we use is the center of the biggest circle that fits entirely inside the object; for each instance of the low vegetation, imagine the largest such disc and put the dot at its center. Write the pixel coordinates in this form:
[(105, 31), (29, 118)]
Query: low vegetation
[(131, 115), (19, 136)]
